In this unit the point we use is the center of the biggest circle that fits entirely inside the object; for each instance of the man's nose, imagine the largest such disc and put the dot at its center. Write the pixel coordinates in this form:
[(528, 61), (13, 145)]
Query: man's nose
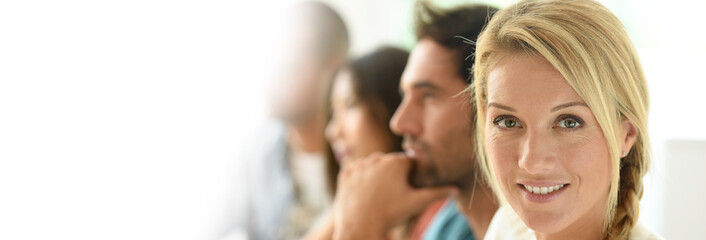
[(407, 119)]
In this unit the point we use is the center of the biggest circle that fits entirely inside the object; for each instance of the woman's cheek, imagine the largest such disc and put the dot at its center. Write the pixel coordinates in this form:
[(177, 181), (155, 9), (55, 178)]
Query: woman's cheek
[(365, 135), (353, 133), (590, 161), (500, 157)]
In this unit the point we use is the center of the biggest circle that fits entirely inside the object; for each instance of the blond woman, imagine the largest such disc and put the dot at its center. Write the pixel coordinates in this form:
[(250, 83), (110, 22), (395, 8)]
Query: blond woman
[(562, 109)]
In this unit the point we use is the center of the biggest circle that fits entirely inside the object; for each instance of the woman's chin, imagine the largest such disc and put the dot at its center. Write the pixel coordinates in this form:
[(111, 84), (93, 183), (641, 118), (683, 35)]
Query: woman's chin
[(543, 221)]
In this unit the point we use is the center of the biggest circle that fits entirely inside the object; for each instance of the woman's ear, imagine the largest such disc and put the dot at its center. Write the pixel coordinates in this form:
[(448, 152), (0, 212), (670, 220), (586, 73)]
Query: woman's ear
[(628, 137)]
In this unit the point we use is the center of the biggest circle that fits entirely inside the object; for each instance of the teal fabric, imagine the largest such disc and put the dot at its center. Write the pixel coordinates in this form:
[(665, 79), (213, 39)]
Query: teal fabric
[(449, 224)]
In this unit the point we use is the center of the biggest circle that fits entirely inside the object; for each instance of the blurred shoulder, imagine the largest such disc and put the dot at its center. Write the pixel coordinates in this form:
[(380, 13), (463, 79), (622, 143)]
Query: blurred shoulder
[(271, 129), (267, 137)]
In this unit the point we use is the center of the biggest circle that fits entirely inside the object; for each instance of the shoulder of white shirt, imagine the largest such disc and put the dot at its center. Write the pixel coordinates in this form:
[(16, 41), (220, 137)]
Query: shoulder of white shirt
[(506, 225)]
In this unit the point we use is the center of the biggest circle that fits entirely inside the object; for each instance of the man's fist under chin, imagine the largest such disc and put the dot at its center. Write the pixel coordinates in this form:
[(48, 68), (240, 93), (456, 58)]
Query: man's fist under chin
[(374, 195)]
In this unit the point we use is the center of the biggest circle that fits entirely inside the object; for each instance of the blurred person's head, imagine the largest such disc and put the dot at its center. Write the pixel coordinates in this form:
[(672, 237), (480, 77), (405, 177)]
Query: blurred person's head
[(315, 44), (562, 108), (363, 98), (435, 121)]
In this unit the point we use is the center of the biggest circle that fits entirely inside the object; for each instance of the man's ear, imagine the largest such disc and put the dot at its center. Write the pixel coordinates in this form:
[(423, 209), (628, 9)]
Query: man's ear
[(628, 137)]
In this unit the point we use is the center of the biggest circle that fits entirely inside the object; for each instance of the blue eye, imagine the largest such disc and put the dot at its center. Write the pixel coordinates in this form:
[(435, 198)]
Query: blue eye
[(570, 122)]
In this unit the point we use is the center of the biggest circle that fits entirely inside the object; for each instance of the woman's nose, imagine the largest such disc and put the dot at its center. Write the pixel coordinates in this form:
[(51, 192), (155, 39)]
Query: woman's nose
[(332, 130), (537, 154)]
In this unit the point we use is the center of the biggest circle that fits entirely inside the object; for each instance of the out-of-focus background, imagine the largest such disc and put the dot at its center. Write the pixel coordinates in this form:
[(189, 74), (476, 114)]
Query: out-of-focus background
[(126, 119)]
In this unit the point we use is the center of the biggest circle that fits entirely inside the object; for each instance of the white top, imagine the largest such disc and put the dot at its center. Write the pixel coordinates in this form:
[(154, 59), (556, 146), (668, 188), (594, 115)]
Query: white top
[(506, 225), (309, 174), (312, 199)]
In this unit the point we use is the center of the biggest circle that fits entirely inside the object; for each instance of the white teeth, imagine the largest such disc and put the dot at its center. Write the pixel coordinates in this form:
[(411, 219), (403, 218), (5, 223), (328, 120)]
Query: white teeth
[(543, 190)]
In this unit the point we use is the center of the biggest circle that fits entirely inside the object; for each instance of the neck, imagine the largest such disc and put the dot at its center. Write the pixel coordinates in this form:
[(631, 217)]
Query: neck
[(478, 206), (307, 135)]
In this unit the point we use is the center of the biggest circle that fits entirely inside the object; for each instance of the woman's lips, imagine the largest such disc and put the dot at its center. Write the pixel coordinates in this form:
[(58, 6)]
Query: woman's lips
[(341, 153), (340, 156), (542, 192)]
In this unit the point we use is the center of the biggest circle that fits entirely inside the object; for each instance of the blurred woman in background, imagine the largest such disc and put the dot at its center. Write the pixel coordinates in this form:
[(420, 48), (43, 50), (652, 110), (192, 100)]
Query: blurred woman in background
[(363, 97)]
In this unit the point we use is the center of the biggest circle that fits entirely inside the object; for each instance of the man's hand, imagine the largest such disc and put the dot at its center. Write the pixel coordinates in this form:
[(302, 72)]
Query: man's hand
[(374, 195)]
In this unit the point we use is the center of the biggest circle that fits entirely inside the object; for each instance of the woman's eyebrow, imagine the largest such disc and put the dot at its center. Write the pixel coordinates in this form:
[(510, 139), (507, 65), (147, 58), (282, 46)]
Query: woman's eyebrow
[(566, 105), (498, 105), (557, 108)]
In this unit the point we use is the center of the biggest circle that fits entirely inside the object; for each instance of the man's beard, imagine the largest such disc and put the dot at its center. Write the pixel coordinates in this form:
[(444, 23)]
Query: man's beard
[(423, 177), (428, 174)]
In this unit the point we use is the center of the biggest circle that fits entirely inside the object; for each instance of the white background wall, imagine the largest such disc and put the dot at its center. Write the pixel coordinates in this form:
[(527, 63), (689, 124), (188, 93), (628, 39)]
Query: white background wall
[(125, 119)]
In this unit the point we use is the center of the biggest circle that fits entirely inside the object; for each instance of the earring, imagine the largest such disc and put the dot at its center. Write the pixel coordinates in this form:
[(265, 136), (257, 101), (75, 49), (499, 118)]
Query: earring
[(624, 154)]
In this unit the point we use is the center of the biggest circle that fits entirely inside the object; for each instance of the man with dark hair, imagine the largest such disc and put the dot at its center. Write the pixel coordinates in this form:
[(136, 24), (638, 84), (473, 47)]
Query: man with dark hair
[(287, 181), (437, 125)]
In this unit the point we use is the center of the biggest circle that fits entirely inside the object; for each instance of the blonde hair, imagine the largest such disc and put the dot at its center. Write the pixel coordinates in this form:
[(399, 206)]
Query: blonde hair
[(591, 49)]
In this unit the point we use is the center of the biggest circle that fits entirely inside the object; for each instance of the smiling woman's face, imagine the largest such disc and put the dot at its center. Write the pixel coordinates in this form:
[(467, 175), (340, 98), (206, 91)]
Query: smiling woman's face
[(353, 131), (548, 153)]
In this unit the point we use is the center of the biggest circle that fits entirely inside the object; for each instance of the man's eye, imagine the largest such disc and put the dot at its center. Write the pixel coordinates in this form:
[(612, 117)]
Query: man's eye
[(429, 95), (569, 123)]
